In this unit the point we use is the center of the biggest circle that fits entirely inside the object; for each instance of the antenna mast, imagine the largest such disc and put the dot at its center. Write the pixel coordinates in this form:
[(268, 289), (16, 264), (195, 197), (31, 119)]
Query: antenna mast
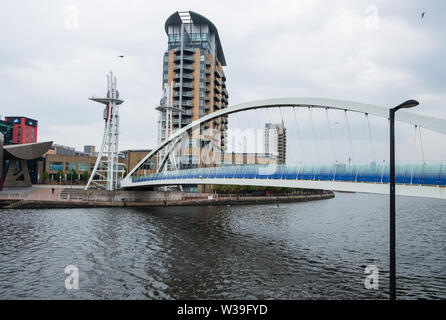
[(106, 173)]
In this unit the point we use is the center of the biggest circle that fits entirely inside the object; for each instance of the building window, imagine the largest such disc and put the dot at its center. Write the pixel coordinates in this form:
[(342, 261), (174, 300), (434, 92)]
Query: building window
[(70, 166), (32, 135), (56, 166), (83, 167), (194, 159), (148, 165), (19, 133)]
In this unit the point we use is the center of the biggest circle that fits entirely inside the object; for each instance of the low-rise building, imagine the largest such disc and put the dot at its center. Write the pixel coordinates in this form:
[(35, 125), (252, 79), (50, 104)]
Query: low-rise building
[(66, 160), (54, 163), (133, 157)]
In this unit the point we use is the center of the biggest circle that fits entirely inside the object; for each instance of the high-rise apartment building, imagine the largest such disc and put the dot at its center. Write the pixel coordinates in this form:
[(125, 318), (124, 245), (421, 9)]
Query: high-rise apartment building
[(194, 84), (275, 141)]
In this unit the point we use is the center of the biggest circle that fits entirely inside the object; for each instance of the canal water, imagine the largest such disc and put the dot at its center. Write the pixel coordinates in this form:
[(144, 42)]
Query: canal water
[(311, 250)]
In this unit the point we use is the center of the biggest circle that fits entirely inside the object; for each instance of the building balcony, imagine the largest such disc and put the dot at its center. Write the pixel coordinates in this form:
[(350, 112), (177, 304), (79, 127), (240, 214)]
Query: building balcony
[(186, 85), (217, 81), (184, 122), (186, 77), (186, 113), (189, 51), (217, 90), (186, 68), (185, 94), (186, 59), (217, 73), (184, 104)]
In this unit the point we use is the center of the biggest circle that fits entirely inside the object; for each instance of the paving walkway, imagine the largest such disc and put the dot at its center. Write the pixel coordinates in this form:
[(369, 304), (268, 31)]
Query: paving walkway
[(32, 193), (46, 194)]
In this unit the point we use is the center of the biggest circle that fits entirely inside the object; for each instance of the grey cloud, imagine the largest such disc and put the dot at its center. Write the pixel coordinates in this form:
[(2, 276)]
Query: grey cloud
[(317, 48)]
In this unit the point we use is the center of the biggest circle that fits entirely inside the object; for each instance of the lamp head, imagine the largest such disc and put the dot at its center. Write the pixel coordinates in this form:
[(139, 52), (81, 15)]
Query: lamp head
[(406, 105)]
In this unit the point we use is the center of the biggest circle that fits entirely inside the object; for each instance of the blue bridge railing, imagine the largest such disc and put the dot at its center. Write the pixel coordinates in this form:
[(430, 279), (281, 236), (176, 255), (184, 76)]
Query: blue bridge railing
[(406, 173)]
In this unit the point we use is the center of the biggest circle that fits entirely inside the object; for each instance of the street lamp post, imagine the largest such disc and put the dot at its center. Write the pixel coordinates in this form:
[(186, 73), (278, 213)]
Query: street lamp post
[(392, 284)]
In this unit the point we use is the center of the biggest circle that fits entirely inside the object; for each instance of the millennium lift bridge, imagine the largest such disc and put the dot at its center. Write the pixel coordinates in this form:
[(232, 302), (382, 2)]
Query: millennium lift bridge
[(420, 178)]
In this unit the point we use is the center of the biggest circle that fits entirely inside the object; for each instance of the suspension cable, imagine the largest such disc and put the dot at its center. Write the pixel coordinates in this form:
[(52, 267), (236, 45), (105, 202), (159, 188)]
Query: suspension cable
[(370, 136), (421, 143), (299, 136), (269, 115), (257, 122), (360, 145), (413, 153), (331, 136), (314, 136), (414, 144), (349, 138)]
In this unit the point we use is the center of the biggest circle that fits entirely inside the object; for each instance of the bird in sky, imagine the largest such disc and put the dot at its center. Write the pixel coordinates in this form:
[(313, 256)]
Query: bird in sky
[(422, 15), (121, 56)]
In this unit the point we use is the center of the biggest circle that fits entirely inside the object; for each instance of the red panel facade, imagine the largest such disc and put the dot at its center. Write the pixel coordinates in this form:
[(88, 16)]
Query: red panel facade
[(24, 129)]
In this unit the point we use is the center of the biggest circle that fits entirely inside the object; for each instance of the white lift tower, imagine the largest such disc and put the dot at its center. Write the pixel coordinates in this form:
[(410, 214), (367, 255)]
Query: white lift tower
[(106, 173)]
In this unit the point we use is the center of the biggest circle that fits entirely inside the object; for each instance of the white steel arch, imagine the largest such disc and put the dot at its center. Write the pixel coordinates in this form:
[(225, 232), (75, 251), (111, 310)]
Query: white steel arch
[(427, 122)]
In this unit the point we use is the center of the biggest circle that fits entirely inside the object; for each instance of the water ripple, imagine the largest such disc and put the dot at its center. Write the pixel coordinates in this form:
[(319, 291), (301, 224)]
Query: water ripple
[(312, 250)]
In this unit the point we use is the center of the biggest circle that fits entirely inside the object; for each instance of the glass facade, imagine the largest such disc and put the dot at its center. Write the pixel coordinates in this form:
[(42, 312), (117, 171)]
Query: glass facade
[(7, 131), (194, 40), (165, 69), (56, 166)]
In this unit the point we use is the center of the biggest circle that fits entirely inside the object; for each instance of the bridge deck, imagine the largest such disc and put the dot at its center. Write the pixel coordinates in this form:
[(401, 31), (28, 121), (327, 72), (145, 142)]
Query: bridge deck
[(428, 174)]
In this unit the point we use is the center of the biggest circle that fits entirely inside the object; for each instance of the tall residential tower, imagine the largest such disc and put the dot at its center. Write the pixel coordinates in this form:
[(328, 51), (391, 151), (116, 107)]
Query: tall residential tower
[(194, 83), (275, 141)]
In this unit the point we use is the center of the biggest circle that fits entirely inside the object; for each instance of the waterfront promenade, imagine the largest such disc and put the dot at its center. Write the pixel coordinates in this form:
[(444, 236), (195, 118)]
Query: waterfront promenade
[(76, 197)]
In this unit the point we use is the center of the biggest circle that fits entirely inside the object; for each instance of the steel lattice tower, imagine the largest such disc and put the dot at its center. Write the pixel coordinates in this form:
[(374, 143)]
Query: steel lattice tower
[(106, 173)]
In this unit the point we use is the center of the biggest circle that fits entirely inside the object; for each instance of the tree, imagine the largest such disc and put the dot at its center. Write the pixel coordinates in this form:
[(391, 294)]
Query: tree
[(59, 175), (45, 176), (85, 176)]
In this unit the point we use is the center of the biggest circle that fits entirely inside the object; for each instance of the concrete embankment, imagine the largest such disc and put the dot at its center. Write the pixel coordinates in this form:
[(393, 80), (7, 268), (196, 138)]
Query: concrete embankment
[(97, 199)]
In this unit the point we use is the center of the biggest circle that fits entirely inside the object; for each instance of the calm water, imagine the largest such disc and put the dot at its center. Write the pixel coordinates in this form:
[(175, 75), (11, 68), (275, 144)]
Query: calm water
[(307, 250)]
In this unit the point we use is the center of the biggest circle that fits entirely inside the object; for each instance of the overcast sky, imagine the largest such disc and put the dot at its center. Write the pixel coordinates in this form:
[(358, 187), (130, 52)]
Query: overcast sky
[(54, 54)]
